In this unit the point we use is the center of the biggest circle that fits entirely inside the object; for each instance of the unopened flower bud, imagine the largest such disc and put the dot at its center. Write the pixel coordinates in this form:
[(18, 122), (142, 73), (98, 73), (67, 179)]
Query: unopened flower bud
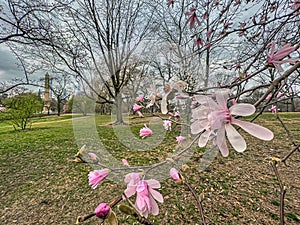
[(125, 162), (176, 176), (102, 210)]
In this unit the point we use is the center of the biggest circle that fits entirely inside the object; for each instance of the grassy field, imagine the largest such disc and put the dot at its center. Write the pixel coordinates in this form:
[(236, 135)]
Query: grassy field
[(40, 184)]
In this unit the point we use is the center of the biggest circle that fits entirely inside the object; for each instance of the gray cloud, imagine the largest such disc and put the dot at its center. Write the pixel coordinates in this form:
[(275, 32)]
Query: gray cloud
[(8, 65)]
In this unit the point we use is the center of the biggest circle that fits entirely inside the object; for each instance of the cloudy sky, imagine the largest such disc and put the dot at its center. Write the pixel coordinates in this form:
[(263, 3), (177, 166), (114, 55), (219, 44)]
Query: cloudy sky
[(9, 68), (8, 65)]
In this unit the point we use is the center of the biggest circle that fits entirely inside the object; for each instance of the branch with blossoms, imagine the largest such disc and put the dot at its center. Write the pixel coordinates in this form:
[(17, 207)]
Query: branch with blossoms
[(215, 113), (212, 121)]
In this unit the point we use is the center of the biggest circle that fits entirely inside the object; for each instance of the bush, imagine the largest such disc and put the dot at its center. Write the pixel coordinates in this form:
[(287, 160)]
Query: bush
[(22, 108)]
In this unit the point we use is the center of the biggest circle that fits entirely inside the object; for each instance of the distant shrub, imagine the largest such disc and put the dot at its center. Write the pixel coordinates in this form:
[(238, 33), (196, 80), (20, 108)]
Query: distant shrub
[(21, 108)]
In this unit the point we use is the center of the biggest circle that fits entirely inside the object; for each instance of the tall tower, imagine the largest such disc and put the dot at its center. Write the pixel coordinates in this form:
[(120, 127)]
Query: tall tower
[(47, 94)]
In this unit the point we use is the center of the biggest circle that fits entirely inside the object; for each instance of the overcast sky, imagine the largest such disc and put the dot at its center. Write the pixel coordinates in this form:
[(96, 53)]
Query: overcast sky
[(8, 65)]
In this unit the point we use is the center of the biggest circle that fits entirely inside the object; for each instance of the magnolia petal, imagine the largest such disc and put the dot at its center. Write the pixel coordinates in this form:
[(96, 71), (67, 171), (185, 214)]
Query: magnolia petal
[(198, 126), (221, 97), (254, 129), (206, 101), (235, 139), (200, 112), (164, 103), (156, 195), (130, 190), (153, 183), (132, 178), (140, 203), (242, 109), (204, 138), (221, 141), (154, 208)]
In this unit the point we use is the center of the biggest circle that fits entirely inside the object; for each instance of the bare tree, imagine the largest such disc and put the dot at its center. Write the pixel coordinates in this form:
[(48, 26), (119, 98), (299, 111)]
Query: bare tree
[(102, 36)]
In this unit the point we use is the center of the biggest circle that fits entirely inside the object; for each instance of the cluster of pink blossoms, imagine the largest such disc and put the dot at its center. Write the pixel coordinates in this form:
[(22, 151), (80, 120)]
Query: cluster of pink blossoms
[(215, 121), (146, 196)]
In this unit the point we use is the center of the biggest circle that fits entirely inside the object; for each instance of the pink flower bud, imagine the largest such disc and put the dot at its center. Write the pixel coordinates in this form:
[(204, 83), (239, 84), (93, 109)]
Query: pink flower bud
[(279, 95), (96, 176), (93, 156), (274, 109), (136, 107), (174, 174), (140, 98), (145, 132), (102, 210), (177, 115), (125, 162), (167, 124), (269, 96), (180, 139)]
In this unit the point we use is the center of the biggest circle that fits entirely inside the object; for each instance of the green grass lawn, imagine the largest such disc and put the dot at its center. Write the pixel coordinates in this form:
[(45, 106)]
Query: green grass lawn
[(40, 184)]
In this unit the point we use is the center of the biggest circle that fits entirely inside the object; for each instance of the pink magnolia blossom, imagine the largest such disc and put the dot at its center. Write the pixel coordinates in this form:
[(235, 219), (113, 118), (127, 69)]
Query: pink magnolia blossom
[(276, 59), (146, 196), (274, 109), (214, 120), (93, 156), (180, 139), (125, 162), (174, 174), (269, 96), (140, 98), (145, 131), (177, 115), (279, 95), (167, 124), (102, 210), (192, 18), (136, 107), (96, 176)]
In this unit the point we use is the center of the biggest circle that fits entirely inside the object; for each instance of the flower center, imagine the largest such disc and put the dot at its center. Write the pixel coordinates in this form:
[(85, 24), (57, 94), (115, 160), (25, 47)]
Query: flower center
[(228, 117)]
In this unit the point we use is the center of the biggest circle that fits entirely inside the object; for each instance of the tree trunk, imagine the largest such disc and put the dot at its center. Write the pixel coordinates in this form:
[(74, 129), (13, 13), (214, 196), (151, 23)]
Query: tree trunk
[(206, 68), (58, 106), (293, 107), (119, 109)]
